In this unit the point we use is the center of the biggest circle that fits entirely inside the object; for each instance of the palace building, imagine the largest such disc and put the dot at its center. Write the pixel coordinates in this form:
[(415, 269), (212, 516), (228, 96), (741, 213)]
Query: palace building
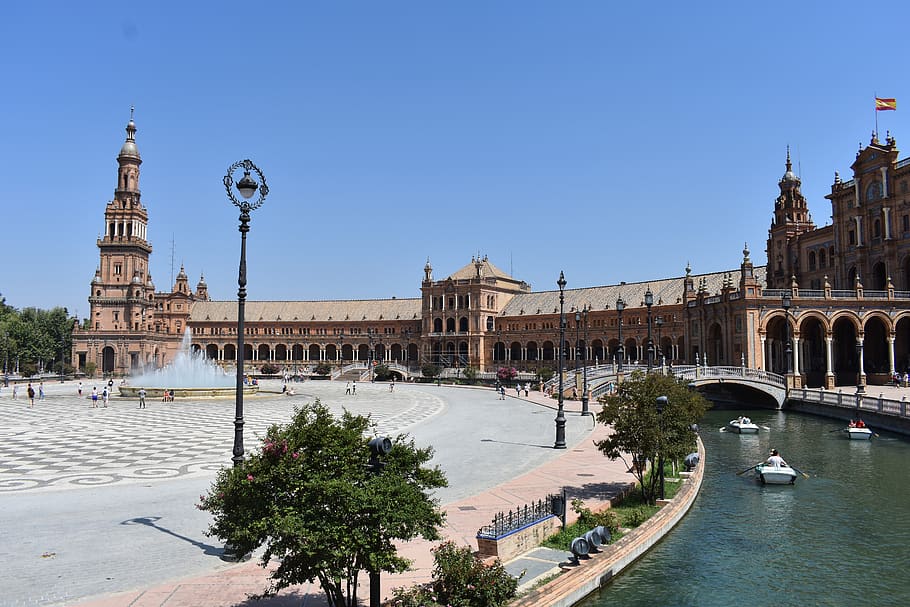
[(807, 314)]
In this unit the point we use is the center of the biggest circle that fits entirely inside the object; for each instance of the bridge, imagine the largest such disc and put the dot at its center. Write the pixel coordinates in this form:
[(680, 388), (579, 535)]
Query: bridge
[(718, 384)]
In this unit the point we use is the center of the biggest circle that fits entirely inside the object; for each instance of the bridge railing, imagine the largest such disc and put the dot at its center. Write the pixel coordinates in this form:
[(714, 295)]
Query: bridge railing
[(852, 402)]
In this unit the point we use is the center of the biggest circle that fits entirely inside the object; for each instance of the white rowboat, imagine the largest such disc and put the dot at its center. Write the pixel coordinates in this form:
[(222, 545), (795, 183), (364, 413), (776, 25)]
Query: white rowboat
[(772, 475), (742, 425)]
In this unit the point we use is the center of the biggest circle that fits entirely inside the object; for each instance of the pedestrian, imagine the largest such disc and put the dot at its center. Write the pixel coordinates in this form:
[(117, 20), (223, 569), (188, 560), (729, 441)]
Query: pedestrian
[(104, 395), (392, 386), (31, 396), (527, 389), (80, 389), (347, 388), (518, 390), (142, 398), (574, 393), (15, 391), (354, 388), (94, 397), (502, 392), (41, 390)]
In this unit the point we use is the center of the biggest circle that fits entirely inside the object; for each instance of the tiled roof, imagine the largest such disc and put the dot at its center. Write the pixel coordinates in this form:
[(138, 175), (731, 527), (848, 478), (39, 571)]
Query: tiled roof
[(667, 291), (487, 270), (350, 310)]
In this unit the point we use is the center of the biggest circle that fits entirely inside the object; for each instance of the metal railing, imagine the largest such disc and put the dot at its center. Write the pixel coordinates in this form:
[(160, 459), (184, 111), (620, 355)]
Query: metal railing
[(523, 516)]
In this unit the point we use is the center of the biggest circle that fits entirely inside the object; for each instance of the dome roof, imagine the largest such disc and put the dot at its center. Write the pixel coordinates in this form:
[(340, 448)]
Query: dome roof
[(129, 146)]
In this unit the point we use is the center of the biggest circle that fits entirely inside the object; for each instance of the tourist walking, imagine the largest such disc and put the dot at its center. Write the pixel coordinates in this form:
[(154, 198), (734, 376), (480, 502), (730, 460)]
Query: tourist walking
[(392, 386), (79, 390), (31, 396), (15, 391), (41, 390), (142, 398), (94, 397), (527, 389), (502, 392), (347, 388), (104, 395), (354, 388)]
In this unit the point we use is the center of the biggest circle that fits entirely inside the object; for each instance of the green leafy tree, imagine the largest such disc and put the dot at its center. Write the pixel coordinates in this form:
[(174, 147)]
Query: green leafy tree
[(430, 370), (322, 369), (382, 372), (309, 499), (545, 373), (268, 369), (470, 374), (90, 368), (639, 431)]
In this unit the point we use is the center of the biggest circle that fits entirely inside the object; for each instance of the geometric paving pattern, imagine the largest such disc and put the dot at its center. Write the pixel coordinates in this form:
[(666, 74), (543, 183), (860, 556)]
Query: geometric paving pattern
[(63, 443)]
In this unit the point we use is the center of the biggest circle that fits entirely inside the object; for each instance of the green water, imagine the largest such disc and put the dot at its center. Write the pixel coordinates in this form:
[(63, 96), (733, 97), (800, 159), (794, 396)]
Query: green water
[(841, 537)]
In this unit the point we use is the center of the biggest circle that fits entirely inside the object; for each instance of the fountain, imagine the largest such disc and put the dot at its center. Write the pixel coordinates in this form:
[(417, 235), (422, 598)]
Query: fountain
[(191, 374)]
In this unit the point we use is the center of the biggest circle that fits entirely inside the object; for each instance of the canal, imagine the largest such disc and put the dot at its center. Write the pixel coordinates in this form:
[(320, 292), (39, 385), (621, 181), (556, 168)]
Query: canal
[(841, 537)]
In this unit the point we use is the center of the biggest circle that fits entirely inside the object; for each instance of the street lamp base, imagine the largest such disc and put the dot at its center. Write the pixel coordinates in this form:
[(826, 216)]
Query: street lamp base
[(584, 406)]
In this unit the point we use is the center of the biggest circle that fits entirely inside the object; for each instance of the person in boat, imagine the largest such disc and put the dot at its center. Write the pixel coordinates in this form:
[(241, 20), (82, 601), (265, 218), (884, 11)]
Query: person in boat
[(745, 420), (776, 460), (860, 423), (852, 424)]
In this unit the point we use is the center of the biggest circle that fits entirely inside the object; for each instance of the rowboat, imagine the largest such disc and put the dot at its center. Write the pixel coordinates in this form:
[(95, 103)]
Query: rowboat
[(854, 433), (742, 425), (771, 475), (775, 475)]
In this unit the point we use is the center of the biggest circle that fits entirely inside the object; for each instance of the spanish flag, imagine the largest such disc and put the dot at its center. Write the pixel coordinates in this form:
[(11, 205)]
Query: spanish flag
[(885, 104)]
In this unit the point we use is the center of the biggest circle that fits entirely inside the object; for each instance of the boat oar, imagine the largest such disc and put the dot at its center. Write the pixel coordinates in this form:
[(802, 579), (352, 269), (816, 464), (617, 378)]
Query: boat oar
[(751, 468), (800, 471)]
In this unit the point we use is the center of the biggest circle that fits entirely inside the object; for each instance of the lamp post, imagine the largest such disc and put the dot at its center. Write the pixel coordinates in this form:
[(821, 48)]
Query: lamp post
[(861, 374), (659, 322), (788, 350), (341, 350), (380, 445), (560, 412), (246, 187), (649, 301), (661, 402), (370, 353), (584, 361), (620, 306)]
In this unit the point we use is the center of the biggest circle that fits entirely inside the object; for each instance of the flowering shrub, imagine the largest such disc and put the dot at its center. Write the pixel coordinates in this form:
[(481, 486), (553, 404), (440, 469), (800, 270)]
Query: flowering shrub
[(507, 373), (460, 579)]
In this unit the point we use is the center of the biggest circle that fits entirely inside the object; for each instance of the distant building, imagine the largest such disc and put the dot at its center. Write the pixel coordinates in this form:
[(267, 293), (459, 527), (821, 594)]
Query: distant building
[(841, 333)]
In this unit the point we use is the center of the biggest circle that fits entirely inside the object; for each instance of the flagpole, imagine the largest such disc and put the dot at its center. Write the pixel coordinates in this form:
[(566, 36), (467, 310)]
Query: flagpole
[(875, 109)]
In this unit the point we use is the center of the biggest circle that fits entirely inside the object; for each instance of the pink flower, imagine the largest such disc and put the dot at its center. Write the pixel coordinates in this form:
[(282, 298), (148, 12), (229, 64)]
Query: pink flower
[(295, 455), (249, 477)]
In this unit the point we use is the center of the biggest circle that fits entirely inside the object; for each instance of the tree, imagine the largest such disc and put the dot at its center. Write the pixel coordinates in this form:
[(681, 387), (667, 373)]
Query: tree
[(430, 370), (269, 369), (308, 497), (638, 430), (322, 369), (470, 374), (545, 373), (382, 372)]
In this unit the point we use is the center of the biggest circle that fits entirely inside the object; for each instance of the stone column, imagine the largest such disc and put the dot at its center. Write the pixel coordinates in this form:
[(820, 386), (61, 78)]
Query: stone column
[(891, 355), (829, 370)]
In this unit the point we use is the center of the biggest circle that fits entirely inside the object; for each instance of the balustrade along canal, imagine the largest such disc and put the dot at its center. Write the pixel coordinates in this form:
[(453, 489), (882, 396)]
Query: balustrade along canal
[(840, 537)]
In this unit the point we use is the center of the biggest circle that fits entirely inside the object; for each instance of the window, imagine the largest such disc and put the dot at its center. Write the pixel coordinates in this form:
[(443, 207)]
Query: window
[(877, 228), (874, 191), (851, 237), (118, 269), (821, 258), (905, 223), (811, 261)]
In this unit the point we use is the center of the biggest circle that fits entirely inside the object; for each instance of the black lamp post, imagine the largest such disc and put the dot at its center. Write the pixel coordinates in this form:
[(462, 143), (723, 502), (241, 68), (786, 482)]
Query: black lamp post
[(661, 402), (860, 384), (659, 322), (560, 412), (786, 302), (584, 362), (649, 301), (620, 306), (380, 445), (247, 187)]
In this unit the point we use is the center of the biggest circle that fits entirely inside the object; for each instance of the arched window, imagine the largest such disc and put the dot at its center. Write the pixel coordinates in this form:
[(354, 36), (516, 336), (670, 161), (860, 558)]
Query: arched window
[(811, 261), (437, 325), (877, 228), (463, 324), (821, 258)]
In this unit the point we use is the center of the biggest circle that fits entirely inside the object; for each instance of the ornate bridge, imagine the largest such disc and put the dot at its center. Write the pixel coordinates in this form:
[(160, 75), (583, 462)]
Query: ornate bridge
[(719, 384)]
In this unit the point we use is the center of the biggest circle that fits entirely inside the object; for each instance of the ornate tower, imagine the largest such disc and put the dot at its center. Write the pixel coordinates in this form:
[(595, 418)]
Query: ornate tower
[(791, 218)]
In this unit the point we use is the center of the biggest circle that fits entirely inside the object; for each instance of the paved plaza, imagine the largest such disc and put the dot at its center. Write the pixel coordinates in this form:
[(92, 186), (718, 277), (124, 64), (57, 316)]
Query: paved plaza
[(101, 501)]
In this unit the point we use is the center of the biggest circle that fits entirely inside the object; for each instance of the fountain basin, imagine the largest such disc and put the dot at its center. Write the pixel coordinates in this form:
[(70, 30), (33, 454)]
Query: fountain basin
[(207, 392)]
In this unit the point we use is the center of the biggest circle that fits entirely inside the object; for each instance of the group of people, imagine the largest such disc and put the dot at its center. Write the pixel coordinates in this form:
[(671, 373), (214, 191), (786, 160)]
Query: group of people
[(856, 423), (501, 389), (901, 380)]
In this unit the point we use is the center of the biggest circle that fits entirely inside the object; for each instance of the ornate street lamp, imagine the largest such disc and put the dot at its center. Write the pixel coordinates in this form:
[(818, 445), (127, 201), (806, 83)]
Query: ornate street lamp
[(860, 373), (786, 302), (584, 363), (620, 306), (661, 402), (649, 301), (247, 187), (379, 446), (560, 412)]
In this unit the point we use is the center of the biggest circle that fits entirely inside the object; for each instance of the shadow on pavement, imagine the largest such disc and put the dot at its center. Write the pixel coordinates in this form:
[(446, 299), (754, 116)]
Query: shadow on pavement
[(152, 521)]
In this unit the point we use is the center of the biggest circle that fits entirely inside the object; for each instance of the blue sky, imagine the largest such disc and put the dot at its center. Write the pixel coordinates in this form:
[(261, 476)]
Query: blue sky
[(614, 141)]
